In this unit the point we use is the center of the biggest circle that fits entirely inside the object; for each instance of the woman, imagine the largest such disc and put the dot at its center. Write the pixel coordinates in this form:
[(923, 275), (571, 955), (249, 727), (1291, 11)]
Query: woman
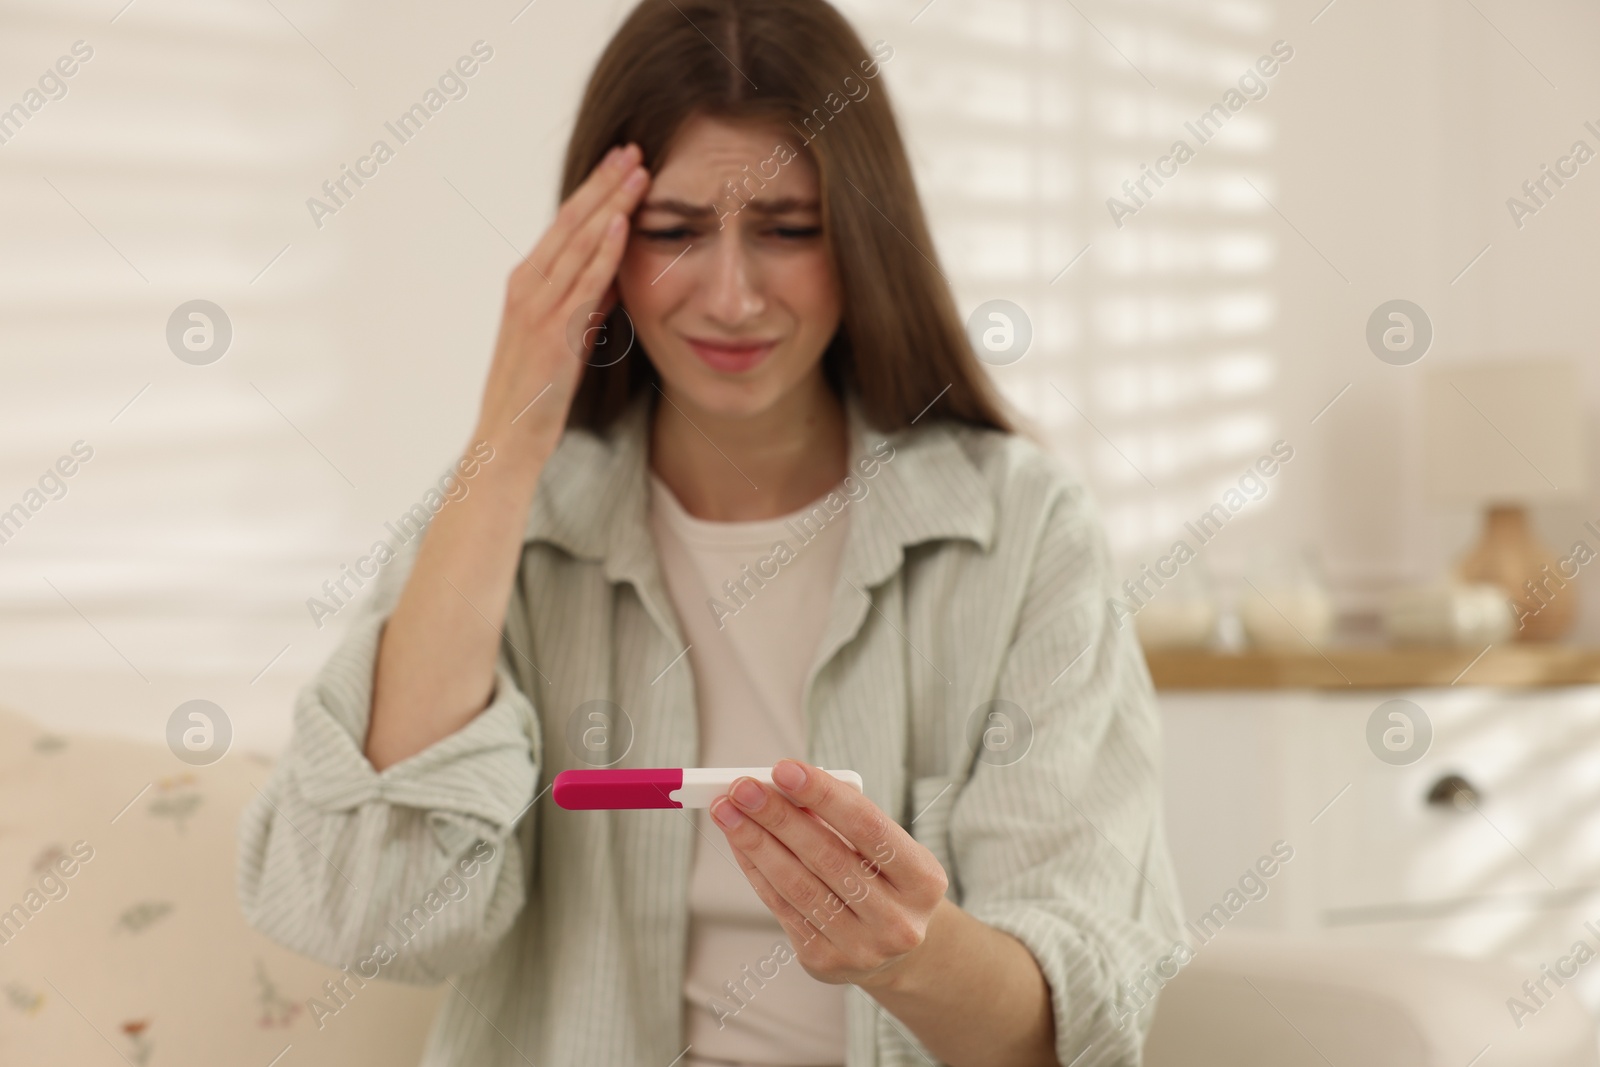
[(748, 500)]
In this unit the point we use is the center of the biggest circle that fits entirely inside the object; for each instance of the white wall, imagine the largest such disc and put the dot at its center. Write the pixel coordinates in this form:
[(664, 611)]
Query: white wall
[(1402, 135)]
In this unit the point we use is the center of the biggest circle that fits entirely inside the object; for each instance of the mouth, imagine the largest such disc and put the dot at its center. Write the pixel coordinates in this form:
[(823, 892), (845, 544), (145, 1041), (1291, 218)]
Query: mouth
[(731, 357)]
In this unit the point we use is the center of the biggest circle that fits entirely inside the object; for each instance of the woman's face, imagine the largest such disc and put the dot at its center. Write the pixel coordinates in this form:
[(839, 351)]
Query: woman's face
[(731, 289)]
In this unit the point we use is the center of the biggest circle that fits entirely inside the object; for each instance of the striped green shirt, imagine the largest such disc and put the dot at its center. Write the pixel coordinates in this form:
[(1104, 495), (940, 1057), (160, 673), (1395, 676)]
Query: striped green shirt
[(969, 671)]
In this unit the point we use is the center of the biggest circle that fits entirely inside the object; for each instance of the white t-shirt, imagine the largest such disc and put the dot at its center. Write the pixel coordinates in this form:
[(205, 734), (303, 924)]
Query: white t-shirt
[(752, 599)]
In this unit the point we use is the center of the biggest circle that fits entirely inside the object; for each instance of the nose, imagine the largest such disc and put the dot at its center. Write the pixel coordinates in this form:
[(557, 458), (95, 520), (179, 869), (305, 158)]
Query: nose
[(733, 284)]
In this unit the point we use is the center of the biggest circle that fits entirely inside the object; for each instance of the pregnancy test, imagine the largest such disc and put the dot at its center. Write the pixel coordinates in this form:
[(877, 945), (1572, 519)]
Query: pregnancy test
[(658, 787)]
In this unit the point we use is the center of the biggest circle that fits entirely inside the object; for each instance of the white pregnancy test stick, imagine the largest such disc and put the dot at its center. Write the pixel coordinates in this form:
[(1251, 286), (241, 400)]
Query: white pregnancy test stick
[(702, 785), (658, 787)]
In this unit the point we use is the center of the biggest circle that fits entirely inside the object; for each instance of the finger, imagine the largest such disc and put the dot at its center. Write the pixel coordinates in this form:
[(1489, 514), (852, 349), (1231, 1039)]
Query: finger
[(609, 298), (865, 825), (606, 176), (572, 272), (597, 283), (581, 203), (791, 879), (806, 836), (824, 926), (801, 931)]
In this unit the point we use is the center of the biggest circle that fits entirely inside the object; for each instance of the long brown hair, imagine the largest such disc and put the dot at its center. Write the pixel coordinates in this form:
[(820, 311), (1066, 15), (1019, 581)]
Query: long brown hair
[(900, 345)]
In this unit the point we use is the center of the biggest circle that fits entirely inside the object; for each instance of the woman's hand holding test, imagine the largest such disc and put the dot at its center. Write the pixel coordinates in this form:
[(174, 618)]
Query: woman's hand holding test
[(863, 902), (856, 903)]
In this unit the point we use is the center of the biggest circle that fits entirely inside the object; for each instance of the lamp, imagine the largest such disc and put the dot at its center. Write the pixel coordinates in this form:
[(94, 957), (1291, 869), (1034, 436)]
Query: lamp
[(1503, 435)]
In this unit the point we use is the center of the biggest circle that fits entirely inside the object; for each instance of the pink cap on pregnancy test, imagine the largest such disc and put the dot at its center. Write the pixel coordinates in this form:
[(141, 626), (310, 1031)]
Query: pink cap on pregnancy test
[(658, 787)]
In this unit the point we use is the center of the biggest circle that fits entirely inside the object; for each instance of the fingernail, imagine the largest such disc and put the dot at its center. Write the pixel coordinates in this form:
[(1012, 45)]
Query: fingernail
[(789, 774), (636, 180), (749, 794), (615, 157), (727, 815)]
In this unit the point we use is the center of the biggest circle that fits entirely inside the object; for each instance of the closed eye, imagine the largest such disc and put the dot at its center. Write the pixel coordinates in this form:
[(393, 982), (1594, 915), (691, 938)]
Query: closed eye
[(678, 234)]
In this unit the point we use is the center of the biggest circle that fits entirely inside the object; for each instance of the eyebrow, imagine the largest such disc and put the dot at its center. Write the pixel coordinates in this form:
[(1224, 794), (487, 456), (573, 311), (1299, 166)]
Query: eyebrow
[(779, 206)]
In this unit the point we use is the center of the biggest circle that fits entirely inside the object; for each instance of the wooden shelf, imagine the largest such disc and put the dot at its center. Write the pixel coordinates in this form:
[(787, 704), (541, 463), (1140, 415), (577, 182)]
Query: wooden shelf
[(1514, 665)]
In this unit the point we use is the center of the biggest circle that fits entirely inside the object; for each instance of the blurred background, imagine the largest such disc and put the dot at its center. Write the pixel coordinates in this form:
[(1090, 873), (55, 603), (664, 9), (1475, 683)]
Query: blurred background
[(1179, 332)]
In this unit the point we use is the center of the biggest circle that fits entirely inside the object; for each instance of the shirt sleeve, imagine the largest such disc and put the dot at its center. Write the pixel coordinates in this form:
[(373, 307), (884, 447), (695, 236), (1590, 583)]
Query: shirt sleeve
[(1060, 842), (417, 871)]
